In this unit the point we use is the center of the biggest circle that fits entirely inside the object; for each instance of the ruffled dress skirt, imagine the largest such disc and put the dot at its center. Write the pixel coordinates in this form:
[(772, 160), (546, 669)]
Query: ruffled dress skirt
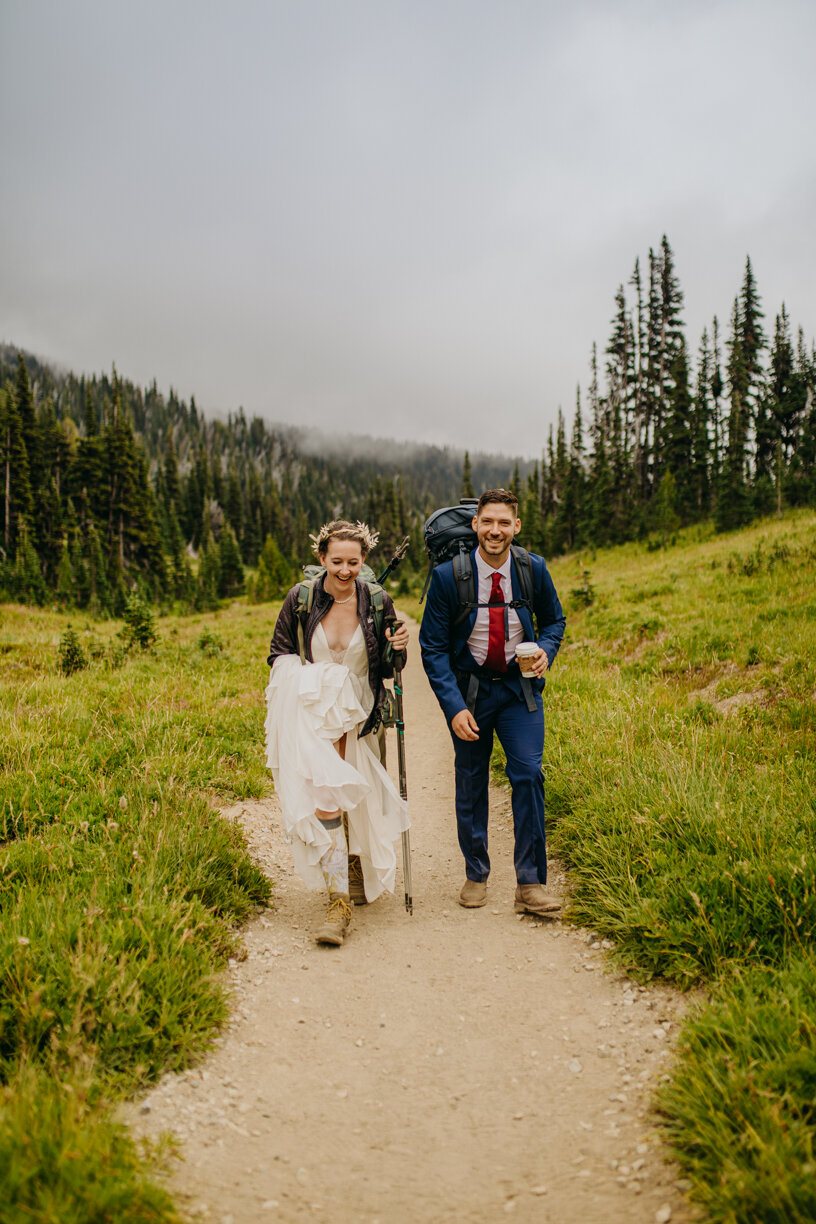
[(309, 707)]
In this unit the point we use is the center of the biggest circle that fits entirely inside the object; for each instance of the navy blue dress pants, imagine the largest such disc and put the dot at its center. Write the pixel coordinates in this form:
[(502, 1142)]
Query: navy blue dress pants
[(521, 734)]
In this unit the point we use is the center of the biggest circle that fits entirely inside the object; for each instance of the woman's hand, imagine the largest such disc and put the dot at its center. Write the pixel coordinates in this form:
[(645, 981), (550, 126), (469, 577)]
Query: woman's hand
[(398, 637)]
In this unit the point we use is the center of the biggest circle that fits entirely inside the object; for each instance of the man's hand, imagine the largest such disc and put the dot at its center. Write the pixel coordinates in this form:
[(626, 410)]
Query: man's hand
[(464, 725), (540, 663)]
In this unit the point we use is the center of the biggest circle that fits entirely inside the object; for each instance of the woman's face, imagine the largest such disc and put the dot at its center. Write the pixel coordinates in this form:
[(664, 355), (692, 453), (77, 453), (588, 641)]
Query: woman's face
[(342, 560)]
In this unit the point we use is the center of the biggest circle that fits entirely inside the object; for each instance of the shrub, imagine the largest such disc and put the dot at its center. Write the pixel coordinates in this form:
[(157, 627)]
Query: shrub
[(209, 643), (140, 624), (71, 657), (584, 595)]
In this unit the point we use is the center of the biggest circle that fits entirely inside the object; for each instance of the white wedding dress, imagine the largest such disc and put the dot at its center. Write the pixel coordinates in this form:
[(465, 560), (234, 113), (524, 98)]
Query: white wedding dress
[(309, 706)]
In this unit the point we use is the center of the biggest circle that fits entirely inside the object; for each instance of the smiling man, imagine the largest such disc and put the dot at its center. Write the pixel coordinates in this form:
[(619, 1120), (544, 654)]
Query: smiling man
[(469, 655)]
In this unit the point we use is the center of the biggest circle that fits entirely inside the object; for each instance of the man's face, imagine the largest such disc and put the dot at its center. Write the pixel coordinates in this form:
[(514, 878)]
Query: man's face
[(496, 525)]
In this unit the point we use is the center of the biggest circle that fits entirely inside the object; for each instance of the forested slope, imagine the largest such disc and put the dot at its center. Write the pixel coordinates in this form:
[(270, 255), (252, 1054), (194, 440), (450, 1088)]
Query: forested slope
[(106, 485)]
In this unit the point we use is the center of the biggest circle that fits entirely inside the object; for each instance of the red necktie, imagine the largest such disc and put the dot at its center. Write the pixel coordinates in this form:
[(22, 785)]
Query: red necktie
[(496, 660)]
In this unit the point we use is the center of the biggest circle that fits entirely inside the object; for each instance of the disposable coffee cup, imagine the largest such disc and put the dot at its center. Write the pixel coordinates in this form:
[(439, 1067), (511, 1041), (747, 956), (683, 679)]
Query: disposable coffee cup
[(525, 653)]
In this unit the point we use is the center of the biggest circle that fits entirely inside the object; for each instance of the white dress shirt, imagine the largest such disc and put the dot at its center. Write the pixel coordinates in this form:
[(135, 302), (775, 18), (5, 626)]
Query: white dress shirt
[(479, 638)]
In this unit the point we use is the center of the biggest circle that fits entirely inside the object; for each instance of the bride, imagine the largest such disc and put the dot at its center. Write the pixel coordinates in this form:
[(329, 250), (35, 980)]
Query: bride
[(330, 651)]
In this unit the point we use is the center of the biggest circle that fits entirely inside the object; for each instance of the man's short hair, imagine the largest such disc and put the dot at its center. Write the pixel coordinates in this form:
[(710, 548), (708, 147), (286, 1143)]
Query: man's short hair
[(502, 496)]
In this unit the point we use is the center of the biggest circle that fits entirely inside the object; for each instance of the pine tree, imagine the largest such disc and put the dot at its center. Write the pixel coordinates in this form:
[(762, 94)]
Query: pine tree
[(788, 390), (17, 497), (752, 336), (670, 340), (172, 485), (89, 415), (653, 380), (28, 418), (131, 531), (208, 575), (665, 507), (599, 507), (100, 595), (530, 513), (559, 530), (622, 378), (717, 386), (79, 570), (573, 511), (387, 525), (701, 459), (29, 583), (732, 509), (678, 433), (234, 502), (467, 481), (277, 571), (793, 383), (66, 581), (640, 412), (230, 570)]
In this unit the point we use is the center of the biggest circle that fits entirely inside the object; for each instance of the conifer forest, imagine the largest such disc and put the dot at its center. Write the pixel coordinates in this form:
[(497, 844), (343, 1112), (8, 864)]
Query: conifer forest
[(109, 488)]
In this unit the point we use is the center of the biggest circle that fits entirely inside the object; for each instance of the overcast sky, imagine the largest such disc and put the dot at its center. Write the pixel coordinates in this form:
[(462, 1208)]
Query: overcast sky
[(404, 217)]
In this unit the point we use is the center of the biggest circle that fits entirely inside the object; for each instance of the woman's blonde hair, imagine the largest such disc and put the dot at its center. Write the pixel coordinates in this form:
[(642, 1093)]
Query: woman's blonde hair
[(341, 529)]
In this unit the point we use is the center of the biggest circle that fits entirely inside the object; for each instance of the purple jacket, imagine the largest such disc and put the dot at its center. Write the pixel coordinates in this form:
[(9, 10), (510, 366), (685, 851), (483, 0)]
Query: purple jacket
[(380, 656)]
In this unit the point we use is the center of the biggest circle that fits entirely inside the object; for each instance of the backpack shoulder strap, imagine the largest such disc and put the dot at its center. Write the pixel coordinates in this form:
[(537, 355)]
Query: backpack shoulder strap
[(465, 584), (375, 592), (303, 606), (524, 569)]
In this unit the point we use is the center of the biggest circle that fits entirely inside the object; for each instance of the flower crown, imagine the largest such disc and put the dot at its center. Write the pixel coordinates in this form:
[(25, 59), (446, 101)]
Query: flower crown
[(339, 529)]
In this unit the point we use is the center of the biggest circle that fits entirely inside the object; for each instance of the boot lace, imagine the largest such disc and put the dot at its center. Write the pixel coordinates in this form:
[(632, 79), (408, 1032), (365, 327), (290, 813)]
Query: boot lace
[(339, 911)]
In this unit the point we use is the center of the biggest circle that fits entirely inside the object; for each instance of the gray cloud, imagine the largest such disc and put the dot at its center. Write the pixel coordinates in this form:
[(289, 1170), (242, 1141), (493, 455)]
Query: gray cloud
[(406, 217)]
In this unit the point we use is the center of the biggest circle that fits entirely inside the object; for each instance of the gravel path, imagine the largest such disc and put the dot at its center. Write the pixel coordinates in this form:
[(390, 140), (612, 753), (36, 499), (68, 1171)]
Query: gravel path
[(454, 1066)]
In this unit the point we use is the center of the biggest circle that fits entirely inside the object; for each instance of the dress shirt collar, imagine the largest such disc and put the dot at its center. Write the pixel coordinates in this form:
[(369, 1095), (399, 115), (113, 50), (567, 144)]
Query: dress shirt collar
[(486, 572)]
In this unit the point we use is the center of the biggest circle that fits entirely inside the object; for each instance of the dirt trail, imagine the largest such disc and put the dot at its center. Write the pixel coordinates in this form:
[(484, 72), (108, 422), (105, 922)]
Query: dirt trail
[(457, 1065)]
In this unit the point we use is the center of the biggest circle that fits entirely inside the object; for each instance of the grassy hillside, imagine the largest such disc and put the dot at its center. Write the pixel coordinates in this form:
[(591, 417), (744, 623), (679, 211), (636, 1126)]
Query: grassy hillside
[(681, 775), (121, 888)]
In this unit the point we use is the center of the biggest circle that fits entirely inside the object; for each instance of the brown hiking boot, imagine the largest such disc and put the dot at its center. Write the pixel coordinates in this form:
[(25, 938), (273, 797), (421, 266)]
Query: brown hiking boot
[(532, 899), (473, 894), (356, 881), (338, 917)]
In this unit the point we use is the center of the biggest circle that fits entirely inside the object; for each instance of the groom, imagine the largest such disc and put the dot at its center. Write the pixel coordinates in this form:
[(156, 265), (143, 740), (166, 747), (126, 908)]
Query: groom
[(471, 665)]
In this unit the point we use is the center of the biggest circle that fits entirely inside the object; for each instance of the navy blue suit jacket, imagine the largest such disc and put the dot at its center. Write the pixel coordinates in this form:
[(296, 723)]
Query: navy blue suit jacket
[(445, 649)]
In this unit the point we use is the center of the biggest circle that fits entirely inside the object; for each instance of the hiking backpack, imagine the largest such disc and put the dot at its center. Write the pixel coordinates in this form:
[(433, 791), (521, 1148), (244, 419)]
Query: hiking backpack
[(449, 536)]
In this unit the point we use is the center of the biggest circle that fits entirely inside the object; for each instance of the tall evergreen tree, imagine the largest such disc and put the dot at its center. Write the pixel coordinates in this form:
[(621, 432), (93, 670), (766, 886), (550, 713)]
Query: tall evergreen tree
[(230, 570), (17, 497), (678, 432), (701, 434), (28, 417), (640, 411), (467, 478)]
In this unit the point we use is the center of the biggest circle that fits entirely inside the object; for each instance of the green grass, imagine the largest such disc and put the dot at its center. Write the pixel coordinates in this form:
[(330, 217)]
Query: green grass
[(680, 781), (121, 889), (681, 791)]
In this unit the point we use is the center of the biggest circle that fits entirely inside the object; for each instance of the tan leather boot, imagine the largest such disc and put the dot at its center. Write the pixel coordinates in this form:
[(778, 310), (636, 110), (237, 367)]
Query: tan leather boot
[(356, 881), (473, 894), (337, 920), (532, 899)]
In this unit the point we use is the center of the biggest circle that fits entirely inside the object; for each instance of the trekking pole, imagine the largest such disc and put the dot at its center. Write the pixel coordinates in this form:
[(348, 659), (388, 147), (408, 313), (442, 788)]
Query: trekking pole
[(398, 556), (403, 783)]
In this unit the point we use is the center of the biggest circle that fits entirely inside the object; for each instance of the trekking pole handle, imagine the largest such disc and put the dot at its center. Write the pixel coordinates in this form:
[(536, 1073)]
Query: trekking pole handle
[(393, 623)]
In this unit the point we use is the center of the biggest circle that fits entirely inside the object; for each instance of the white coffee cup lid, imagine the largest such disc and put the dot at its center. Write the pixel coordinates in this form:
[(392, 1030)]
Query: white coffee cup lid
[(527, 648)]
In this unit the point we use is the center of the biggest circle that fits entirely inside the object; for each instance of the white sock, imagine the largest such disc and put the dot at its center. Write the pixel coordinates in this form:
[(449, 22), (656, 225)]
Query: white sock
[(335, 860)]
